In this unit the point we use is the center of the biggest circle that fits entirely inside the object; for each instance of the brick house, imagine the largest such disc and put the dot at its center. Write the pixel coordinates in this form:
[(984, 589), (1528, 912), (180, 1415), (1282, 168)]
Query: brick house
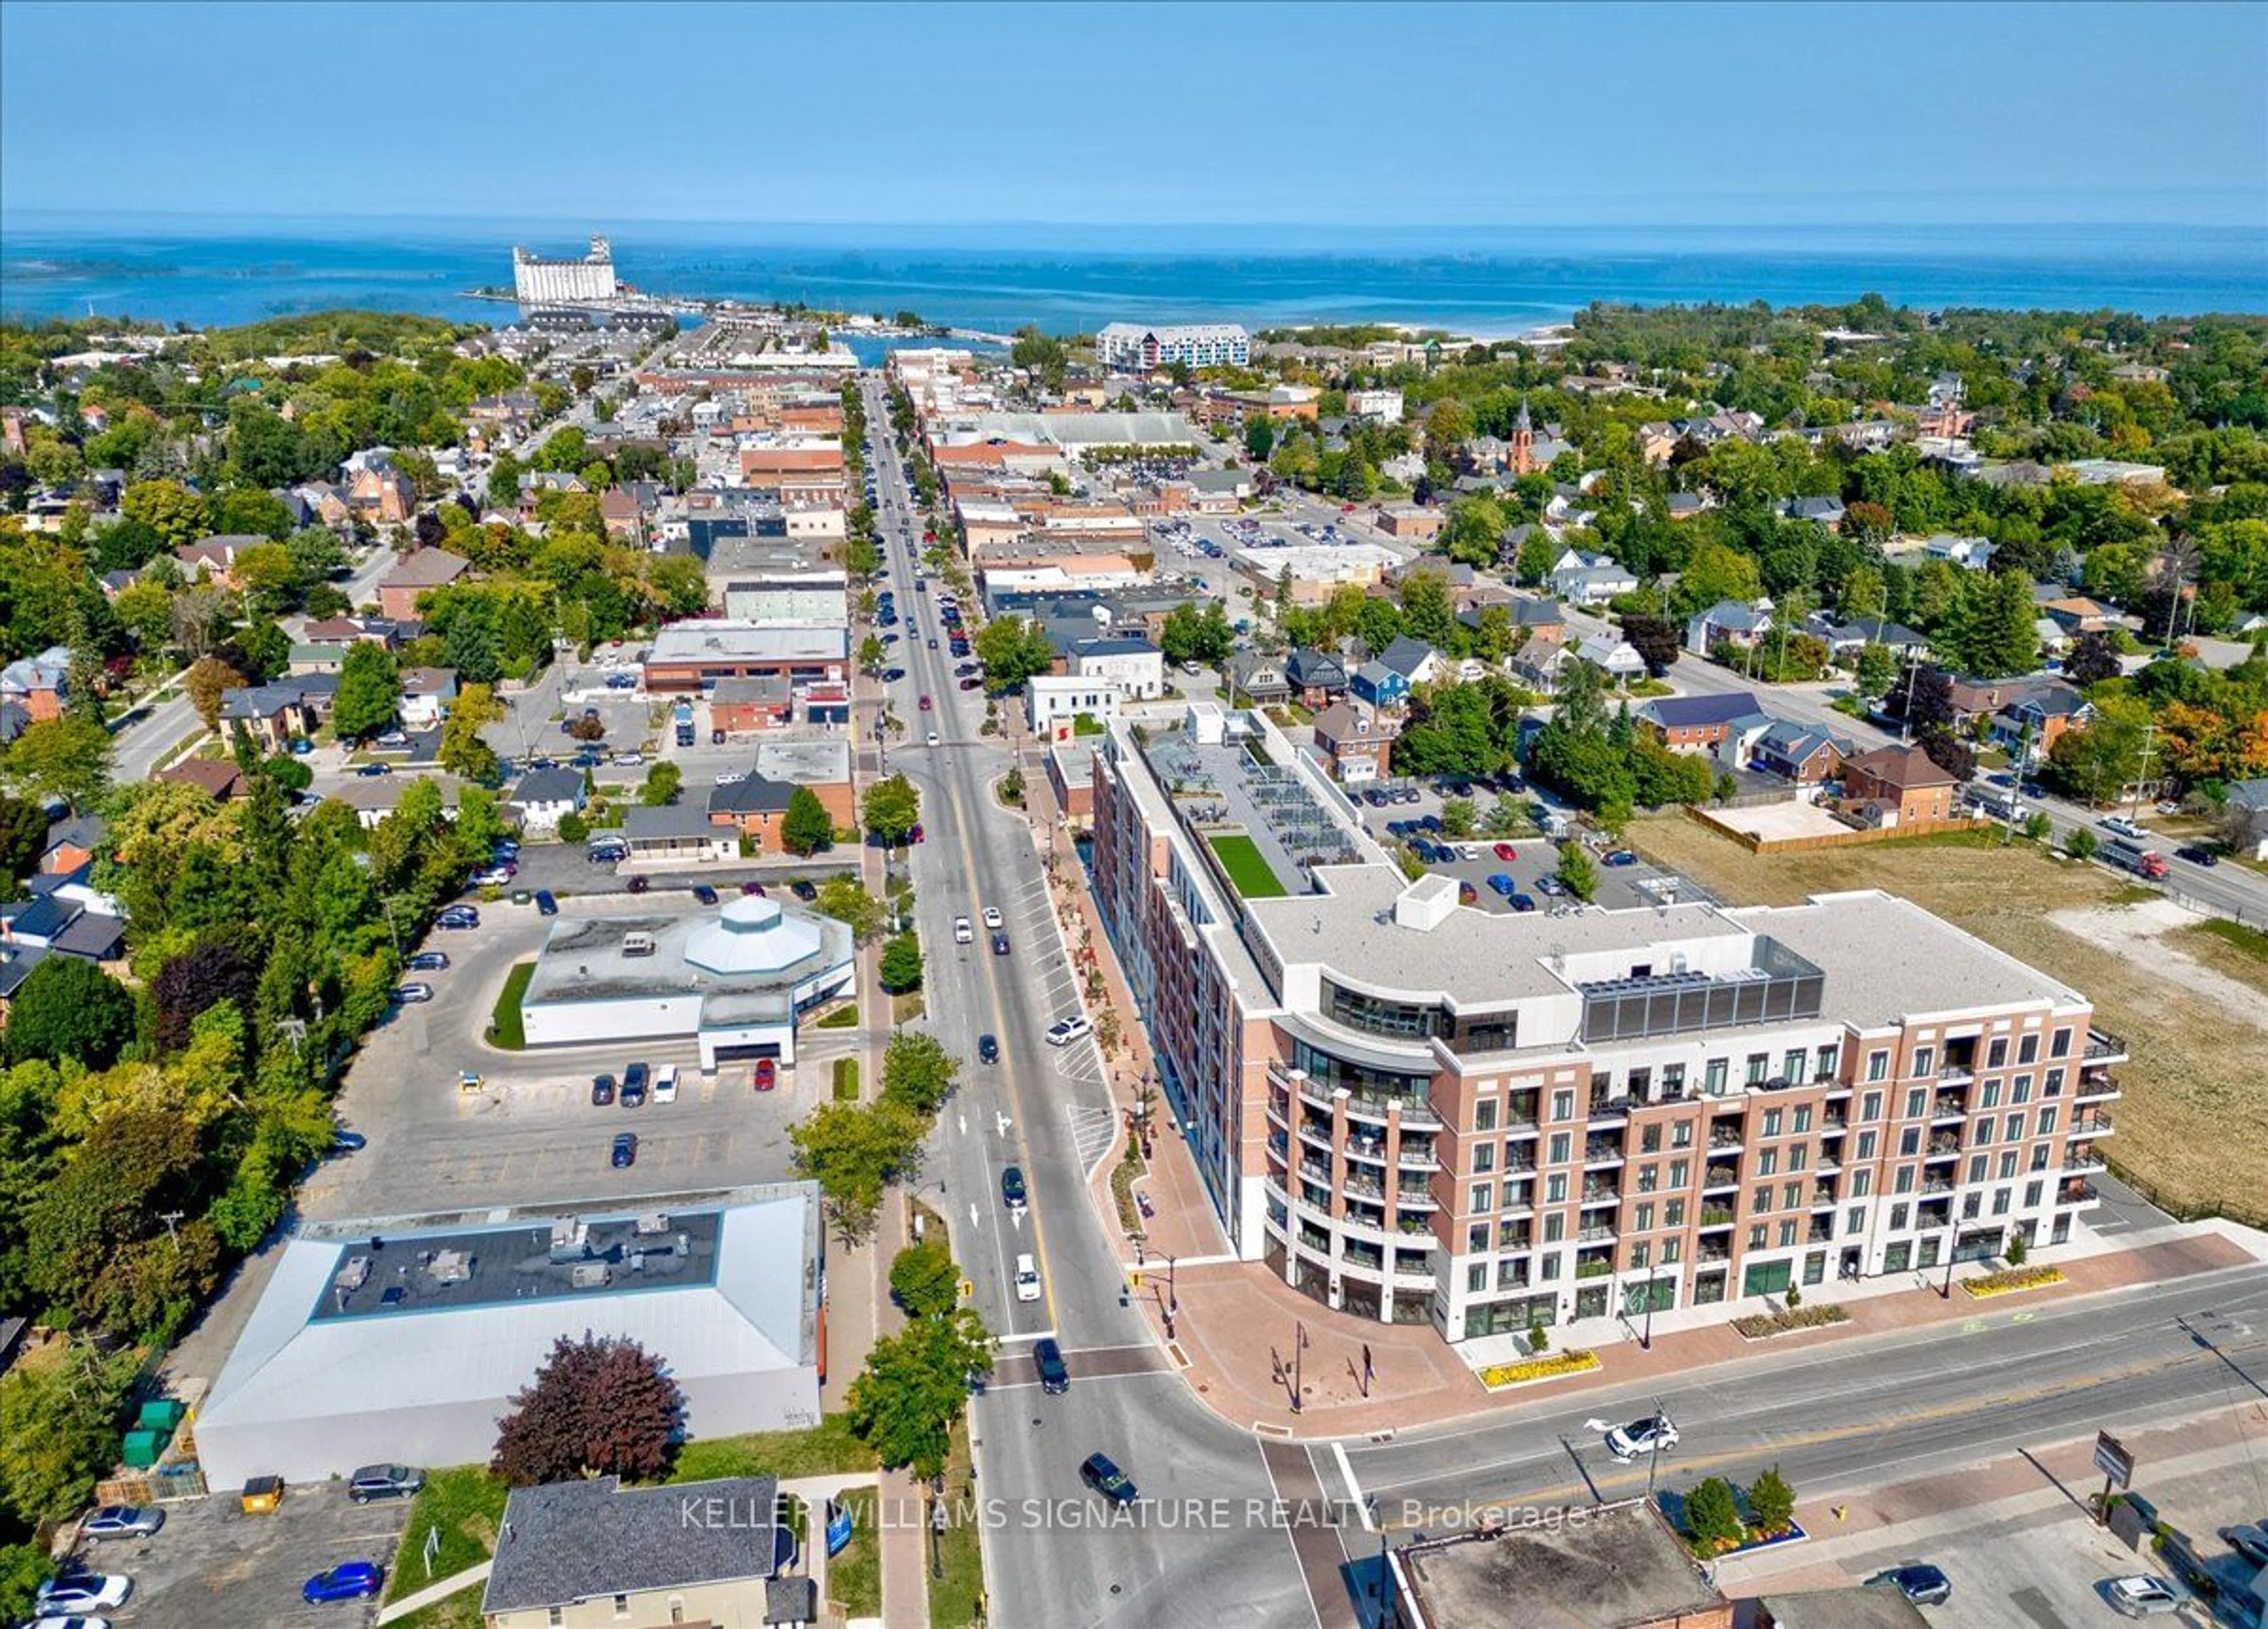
[(1898, 786), (1355, 741), (1695, 723), (418, 574)]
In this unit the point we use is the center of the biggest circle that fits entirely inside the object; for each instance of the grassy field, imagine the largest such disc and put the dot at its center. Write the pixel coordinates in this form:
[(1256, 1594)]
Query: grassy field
[(465, 1505), (504, 1026), (1240, 857), (2227, 948), (854, 1578), (2193, 1124), (846, 1080), (460, 1611), (825, 1449)]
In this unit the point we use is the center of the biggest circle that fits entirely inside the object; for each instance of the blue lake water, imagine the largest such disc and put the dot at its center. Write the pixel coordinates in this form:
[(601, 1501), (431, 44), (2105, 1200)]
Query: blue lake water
[(1491, 281)]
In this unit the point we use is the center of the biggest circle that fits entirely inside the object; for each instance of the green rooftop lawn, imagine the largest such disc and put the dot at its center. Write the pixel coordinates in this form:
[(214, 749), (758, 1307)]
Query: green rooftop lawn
[(1240, 857)]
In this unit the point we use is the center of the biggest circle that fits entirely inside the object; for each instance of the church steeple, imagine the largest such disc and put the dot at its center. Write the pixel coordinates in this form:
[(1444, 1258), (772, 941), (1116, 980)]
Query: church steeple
[(1523, 441)]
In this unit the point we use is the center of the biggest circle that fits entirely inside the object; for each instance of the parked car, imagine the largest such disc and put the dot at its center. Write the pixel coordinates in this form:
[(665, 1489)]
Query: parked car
[(664, 1084), (2249, 1539), (603, 1091), (1012, 1193), (384, 1482), (1048, 1358), (1620, 857), (1505, 853), (1522, 903), (625, 1154), (639, 885), (1106, 1478), (1063, 1031), (2141, 1595), (458, 917), (77, 1590), (545, 905), (428, 961), (753, 890), (349, 1580), (1655, 1434), (803, 891), (1920, 1583), (413, 992), (345, 1141), (1551, 887), (704, 893), (767, 1074), (123, 1521), (2196, 854), (1027, 1279), (1500, 883), (988, 1049)]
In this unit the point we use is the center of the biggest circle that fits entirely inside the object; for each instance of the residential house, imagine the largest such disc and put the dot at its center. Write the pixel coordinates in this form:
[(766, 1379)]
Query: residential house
[(1727, 622), (1136, 667), (1318, 678), (415, 576), (1414, 660), (324, 502), (38, 684), (675, 833), (1897, 786), (115, 583), (71, 842), (594, 1555), (218, 779), (1801, 753), (16, 964), (66, 918), (1256, 676), (14, 720), (1685, 505), (546, 797), (2076, 614), (1695, 723), (2250, 800), (1613, 655), (382, 495), (1973, 554), (426, 693), (624, 520), (1826, 512), (215, 557), (1844, 640), (273, 714), (1379, 684), (1354, 741), (2032, 724), (1588, 578)]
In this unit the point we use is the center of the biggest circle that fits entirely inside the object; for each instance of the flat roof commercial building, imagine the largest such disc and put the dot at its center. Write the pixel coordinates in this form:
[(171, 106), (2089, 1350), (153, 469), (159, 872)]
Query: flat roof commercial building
[(690, 657), (1610, 1566), (1132, 347), (402, 1339), (737, 978), (1417, 1111)]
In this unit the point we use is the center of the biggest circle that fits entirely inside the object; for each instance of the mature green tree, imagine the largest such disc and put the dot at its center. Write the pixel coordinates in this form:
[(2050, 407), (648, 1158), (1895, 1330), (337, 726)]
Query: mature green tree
[(902, 964), (1875, 668), (1773, 1502), (1576, 871), (67, 757), (1474, 532), (1192, 635), (369, 697), (600, 1405), (167, 508), (2092, 659), (905, 1402), (917, 1073), (99, 1250), (2096, 762), (59, 1413), (1013, 649), (1656, 639), (806, 827), (1259, 440), (663, 782), (854, 1151), (891, 809), (843, 899), (925, 1280), (1713, 1516), (462, 752), (69, 1008), (23, 838)]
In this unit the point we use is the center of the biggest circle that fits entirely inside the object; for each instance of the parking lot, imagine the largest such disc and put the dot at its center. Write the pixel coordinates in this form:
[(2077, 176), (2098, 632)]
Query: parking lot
[(532, 1134), (212, 1566)]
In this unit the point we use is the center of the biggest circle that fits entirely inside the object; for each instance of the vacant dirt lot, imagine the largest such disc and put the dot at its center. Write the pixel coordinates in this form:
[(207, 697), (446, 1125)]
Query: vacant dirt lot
[(2194, 1122)]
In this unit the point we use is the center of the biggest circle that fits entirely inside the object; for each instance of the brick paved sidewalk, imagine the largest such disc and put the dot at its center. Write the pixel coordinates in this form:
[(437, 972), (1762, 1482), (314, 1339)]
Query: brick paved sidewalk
[(1237, 1326)]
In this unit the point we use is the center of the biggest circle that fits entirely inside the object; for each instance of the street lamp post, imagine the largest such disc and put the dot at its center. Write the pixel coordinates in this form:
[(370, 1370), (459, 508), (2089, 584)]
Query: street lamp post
[(1646, 1340), (1173, 1296), (1653, 1464), (1299, 1345), (1945, 1290)]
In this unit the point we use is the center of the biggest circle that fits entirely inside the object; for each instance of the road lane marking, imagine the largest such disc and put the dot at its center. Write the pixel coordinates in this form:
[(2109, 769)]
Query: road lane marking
[(1354, 1488)]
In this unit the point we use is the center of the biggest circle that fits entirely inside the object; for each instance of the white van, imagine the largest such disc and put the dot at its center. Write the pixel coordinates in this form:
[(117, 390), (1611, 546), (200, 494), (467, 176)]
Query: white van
[(638, 943), (1027, 1279), (664, 1084)]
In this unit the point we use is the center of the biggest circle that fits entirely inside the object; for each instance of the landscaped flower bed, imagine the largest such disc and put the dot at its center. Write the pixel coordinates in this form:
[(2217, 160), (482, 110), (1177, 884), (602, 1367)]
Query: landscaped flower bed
[(1498, 1375), (2009, 1281), (1764, 1325)]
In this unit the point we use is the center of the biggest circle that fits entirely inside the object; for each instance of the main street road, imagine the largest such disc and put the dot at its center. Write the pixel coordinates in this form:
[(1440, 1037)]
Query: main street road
[(1852, 1415), (1049, 1564)]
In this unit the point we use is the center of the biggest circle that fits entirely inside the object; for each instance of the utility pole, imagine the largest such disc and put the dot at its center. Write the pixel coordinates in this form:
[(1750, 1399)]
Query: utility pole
[(2149, 740)]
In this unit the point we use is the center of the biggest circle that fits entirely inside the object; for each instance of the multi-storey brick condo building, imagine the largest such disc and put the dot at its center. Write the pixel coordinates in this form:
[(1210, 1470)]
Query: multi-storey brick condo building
[(1421, 1110)]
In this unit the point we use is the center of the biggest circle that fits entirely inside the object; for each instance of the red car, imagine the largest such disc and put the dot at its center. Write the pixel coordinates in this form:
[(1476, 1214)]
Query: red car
[(767, 1074), (925, 704), (1505, 851)]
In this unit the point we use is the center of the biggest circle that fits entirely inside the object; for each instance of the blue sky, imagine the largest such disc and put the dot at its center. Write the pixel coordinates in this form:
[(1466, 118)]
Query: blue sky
[(1068, 114)]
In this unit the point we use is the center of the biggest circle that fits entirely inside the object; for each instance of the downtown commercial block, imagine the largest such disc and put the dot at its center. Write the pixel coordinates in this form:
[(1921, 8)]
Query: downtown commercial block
[(1417, 1111)]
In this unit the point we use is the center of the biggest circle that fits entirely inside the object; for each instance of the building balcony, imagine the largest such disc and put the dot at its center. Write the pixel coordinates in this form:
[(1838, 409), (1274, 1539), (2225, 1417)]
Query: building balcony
[(2103, 1047), (1371, 1149), (1722, 1142), (1601, 1193), (1937, 1184), (1943, 1146), (1957, 1074), (1416, 1198), (1594, 1233), (2096, 1124), (1380, 1106), (1279, 1148), (1834, 1120), (2077, 1193), (1594, 1269), (1278, 1115), (1357, 1186), (1616, 1109), (2096, 1085), (1716, 1216), (1418, 1159), (1822, 1193), (1362, 1224), (1518, 1162), (1314, 1092), (1949, 1106), (1713, 1252), (1820, 1235), (1413, 1227), (2082, 1160), (1721, 1177), (1316, 1139), (1602, 1151)]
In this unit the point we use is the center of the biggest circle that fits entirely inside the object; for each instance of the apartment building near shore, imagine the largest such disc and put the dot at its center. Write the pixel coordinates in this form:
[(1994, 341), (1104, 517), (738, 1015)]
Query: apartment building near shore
[(1422, 1111)]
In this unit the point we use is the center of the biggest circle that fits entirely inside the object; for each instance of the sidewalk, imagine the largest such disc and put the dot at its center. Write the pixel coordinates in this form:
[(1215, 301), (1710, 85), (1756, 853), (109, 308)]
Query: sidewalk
[(440, 1589), (1242, 1335)]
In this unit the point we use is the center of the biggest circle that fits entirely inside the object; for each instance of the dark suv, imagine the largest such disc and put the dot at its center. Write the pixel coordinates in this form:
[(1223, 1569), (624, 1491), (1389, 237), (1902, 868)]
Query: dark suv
[(1055, 1374), (1108, 1480), (384, 1482)]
